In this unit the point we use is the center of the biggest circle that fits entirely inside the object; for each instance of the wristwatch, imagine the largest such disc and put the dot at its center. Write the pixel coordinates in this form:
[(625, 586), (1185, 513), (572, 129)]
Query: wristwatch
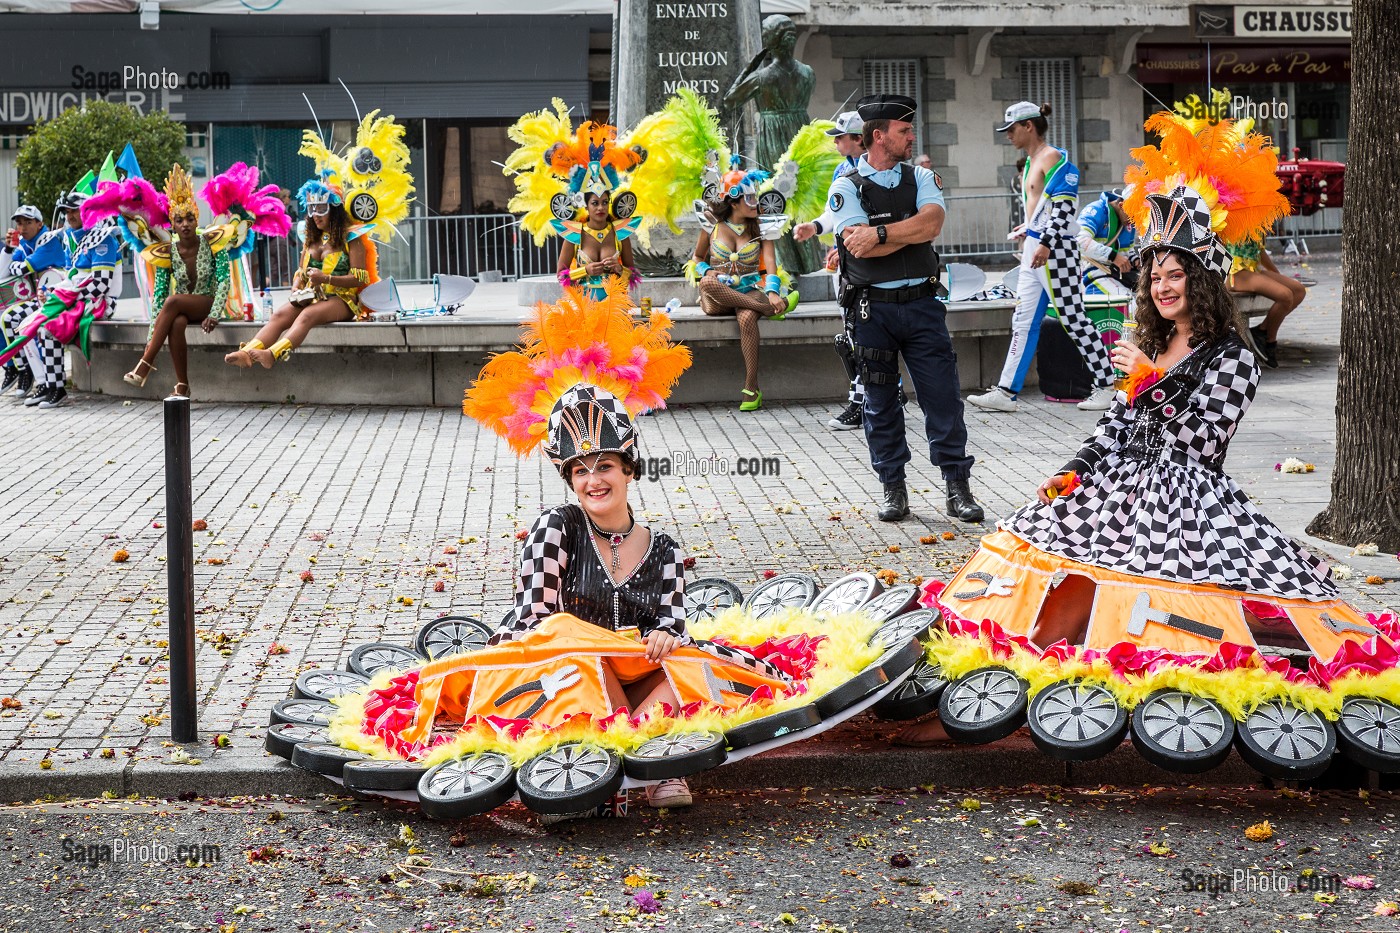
[(882, 233)]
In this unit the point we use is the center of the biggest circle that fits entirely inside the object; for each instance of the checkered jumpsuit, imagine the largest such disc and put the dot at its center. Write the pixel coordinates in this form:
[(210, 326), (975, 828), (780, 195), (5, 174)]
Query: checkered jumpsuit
[(1057, 283), (1155, 501)]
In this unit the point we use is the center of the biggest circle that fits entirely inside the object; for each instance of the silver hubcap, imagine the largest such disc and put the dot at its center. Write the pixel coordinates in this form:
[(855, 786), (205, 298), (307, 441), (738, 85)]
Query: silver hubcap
[(308, 711), (377, 659), (887, 602), (897, 633), (923, 679), (844, 597), (1182, 722), (330, 684), (778, 596), (707, 601), (454, 638), (462, 778), (983, 696), (1373, 722), (667, 746), (299, 734), (1076, 712), (567, 770), (1287, 731)]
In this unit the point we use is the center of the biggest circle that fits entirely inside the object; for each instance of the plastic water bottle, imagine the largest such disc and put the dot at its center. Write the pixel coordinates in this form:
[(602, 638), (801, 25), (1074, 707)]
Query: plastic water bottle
[(673, 306), (266, 305)]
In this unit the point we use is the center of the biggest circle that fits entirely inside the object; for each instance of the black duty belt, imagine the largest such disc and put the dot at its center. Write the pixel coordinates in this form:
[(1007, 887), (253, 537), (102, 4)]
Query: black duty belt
[(901, 295)]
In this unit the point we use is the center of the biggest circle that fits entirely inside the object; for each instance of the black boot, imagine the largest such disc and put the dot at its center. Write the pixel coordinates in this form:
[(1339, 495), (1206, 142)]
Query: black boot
[(961, 505), (896, 502)]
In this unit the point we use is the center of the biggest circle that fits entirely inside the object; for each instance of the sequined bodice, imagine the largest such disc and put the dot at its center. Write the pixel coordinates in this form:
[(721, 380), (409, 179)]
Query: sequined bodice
[(743, 260), (590, 593), (1147, 437)]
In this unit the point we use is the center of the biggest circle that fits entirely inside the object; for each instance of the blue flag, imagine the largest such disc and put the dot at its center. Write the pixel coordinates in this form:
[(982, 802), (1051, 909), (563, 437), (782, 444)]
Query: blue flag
[(127, 164)]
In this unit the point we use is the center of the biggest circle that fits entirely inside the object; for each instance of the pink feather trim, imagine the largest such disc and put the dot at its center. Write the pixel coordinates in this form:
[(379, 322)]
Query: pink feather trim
[(236, 191), (134, 197)]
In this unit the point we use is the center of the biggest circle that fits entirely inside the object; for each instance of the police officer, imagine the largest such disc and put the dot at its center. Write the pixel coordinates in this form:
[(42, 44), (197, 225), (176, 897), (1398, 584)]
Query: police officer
[(887, 213)]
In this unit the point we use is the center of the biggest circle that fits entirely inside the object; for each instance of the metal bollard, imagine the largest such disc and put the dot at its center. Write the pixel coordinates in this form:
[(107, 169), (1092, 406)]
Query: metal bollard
[(179, 564)]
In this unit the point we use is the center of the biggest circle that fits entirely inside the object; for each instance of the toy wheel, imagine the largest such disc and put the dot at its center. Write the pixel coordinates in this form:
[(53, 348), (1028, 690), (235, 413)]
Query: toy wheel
[(378, 774), (905, 628), (324, 758), (984, 705), (568, 779), (675, 756), (1182, 732), (785, 591), (562, 207), (917, 696), (302, 712), (368, 660), (895, 601), (772, 726), (771, 202), (283, 738), (1071, 720), (709, 596), (1284, 741), (466, 786), (451, 635), (1368, 731), (327, 684), (847, 594), (624, 205)]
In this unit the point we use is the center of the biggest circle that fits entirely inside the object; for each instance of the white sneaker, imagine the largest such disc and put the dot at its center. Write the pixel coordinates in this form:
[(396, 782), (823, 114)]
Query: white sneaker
[(672, 793), (1099, 399), (994, 399)]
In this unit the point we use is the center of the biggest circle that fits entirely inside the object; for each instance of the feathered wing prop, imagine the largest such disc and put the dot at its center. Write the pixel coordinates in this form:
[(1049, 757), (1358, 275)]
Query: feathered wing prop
[(1234, 175), (654, 184), (578, 339), (538, 134), (376, 168), (803, 173), (697, 150)]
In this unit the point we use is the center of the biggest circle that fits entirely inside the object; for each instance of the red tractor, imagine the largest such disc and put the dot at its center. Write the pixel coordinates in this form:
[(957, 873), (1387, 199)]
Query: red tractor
[(1311, 184)]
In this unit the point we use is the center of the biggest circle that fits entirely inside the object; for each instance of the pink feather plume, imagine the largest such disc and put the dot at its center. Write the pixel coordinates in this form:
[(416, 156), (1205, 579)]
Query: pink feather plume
[(134, 197), (237, 191)]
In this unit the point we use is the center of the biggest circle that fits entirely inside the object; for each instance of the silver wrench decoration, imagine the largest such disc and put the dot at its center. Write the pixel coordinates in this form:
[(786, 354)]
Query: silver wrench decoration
[(548, 686), (991, 586), (1143, 613), (1338, 626)]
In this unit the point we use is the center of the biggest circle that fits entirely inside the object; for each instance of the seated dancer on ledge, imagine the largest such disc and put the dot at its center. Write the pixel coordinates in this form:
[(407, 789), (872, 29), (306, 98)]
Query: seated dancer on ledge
[(193, 271), (596, 250), (355, 199), (1145, 507)]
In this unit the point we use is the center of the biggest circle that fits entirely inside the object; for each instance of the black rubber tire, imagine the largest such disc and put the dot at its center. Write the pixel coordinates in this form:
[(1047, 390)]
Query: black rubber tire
[(378, 774), (1071, 720), (368, 660), (466, 787), (324, 758), (848, 593), (983, 705), (896, 661), (675, 756), (1368, 732), (785, 591), (569, 779), (904, 628), (773, 725), (917, 696), (449, 635), (283, 738), (325, 683), (851, 692), (895, 601), (1280, 740), (709, 596), (302, 712), (1182, 732)]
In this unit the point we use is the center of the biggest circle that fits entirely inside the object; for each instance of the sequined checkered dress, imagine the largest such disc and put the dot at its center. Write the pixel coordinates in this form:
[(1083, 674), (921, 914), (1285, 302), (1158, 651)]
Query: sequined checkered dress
[(1155, 501)]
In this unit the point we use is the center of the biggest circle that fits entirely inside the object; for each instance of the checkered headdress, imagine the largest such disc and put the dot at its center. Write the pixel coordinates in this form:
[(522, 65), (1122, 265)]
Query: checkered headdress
[(1180, 221), (588, 420)]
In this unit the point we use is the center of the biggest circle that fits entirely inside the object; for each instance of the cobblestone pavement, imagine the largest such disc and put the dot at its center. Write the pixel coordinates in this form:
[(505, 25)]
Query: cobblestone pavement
[(329, 527)]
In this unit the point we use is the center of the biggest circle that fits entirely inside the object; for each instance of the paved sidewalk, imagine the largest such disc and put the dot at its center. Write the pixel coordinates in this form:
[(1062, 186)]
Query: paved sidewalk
[(383, 505)]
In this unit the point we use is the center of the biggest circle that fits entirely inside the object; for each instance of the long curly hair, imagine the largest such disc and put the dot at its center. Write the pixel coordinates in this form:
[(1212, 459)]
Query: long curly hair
[(1211, 309), (723, 208), (337, 226)]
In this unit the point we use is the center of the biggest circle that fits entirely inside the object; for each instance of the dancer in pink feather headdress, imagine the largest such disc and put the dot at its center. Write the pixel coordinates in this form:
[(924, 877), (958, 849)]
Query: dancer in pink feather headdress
[(193, 271)]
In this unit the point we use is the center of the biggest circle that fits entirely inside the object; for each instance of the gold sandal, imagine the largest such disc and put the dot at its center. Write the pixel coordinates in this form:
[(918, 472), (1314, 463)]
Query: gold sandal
[(136, 377)]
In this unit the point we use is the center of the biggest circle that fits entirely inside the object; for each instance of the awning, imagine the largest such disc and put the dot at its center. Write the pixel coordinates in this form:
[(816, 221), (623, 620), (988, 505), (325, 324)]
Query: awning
[(359, 7)]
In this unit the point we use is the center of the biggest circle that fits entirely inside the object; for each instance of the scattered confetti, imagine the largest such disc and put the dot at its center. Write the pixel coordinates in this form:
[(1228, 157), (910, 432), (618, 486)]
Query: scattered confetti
[(1259, 832), (120, 556)]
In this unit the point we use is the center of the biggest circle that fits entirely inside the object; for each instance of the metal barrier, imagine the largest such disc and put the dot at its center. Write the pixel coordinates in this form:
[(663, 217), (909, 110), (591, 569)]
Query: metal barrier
[(477, 245)]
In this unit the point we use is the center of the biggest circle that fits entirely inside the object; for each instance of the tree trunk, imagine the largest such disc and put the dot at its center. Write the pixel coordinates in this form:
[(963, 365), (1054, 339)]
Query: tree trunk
[(1365, 502)]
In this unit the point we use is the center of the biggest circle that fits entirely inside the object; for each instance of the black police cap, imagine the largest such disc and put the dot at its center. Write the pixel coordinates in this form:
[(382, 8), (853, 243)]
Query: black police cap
[(887, 107)]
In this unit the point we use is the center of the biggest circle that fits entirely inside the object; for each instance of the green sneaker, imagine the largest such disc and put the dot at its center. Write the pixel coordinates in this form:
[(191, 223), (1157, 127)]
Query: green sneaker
[(792, 299), (753, 401)]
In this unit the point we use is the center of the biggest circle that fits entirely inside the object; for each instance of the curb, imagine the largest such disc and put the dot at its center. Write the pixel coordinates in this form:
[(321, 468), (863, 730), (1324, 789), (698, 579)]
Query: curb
[(854, 756)]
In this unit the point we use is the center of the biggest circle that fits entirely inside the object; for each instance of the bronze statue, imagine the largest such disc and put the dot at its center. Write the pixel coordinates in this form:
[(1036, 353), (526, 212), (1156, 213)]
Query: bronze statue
[(780, 87)]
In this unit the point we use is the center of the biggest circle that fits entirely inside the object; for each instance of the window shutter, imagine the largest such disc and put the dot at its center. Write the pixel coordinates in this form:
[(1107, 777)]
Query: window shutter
[(1051, 80), (897, 76)]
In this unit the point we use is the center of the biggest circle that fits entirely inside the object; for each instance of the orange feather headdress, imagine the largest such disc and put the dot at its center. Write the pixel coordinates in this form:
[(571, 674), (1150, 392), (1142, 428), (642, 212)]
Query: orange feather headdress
[(1203, 187), (582, 372)]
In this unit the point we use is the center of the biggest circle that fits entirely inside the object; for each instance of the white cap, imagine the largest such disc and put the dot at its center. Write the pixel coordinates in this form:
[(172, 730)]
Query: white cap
[(1021, 110), (28, 212), (848, 123)]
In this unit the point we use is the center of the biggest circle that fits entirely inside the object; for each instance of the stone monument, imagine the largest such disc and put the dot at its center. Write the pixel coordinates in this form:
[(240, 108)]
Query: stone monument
[(780, 87)]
